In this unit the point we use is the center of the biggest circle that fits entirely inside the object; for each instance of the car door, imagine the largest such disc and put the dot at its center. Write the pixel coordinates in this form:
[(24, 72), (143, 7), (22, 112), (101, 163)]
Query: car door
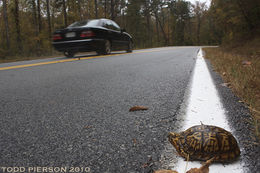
[(111, 33), (121, 37)]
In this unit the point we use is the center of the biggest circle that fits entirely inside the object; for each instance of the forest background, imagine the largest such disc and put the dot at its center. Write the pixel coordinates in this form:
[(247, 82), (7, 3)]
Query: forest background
[(27, 25)]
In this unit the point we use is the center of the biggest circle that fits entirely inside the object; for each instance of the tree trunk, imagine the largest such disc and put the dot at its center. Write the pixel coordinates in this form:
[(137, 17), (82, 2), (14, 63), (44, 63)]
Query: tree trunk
[(64, 13), (162, 29), (198, 31), (96, 9), (79, 9), (180, 25), (245, 15), (157, 31), (48, 17), (173, 31), (6, 24), (53, 14), (112, 10), (39, 16), (17, 25), (116, 4), (35, 17), (168, 26), (148, 25), (105, 8)]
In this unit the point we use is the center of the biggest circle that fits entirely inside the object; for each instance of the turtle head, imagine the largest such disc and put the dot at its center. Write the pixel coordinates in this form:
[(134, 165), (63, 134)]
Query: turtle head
[(174, 139)]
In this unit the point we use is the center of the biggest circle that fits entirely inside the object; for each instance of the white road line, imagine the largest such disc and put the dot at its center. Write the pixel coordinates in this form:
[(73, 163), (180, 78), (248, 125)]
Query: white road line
[(204, 106)]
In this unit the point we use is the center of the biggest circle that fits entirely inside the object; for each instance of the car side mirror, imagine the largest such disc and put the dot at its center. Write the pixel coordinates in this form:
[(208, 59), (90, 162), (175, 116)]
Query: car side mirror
[(123, 30)]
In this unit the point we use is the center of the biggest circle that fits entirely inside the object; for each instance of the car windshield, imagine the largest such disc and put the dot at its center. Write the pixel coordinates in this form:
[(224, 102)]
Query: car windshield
[(84, 23)]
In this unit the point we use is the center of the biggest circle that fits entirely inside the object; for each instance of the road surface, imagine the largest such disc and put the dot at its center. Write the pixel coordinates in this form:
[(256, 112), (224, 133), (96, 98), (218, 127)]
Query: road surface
[(74, 113)]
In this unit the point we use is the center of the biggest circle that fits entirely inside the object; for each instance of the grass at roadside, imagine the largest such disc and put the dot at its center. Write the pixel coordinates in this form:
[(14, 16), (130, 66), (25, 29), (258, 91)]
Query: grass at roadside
[(240, 69)]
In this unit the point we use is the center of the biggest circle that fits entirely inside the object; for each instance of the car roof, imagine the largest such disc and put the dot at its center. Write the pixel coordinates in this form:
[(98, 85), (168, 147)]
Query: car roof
[(84, 23)]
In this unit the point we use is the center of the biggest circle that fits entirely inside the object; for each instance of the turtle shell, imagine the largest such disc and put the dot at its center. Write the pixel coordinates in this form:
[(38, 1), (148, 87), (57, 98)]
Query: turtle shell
[(204, 142)]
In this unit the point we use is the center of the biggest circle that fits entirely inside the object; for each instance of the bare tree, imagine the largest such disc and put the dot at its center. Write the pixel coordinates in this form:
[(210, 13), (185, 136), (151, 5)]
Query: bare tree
[(34, 16), (6, 24), (79, 9), (112, 10), (96, 9), (17, 25), (64, 12), (39, 16), (198, 9), (105, 8), (157, 30), (242, 5), (148, 20), (48, 17), (157, 10)]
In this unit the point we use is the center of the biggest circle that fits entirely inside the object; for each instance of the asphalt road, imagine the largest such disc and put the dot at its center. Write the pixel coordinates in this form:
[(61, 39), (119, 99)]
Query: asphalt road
[(76, 113)]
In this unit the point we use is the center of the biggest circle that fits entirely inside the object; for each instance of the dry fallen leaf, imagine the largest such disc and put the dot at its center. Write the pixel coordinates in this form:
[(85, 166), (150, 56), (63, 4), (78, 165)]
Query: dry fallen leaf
[(165, 171), (148, 164), (138, 108), (225, 84), (134, 141), (246, 63), (203, 169), (87, 127), (197, 170), (145, 165)]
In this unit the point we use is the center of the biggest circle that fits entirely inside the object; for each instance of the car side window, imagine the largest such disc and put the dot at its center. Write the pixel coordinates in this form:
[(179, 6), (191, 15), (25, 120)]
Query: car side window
[(104, 23), (108, 24), (115, 26)]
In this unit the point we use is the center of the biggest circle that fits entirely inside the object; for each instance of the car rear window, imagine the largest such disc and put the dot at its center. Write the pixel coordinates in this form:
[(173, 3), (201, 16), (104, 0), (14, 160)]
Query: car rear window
[(84, 23)]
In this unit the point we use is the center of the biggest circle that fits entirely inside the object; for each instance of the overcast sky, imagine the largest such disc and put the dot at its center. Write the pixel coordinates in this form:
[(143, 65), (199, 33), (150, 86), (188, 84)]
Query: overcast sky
[(207, 1)]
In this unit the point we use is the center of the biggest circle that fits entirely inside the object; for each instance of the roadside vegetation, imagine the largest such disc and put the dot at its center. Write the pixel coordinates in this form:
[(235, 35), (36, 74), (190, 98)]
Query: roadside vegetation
[(27, 25), (237, 58), (240, 69)]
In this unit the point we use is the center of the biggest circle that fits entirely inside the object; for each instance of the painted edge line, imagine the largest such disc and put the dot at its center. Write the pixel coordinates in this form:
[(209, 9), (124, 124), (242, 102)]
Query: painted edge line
[(204, 105)]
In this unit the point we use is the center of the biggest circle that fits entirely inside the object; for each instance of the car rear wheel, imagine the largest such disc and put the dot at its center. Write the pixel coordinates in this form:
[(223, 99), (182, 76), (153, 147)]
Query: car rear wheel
[(69, 54), (106, 48), (130, 47)]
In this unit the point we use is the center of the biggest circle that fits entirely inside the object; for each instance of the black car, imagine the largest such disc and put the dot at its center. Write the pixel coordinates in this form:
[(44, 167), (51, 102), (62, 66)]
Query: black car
[(100, 35)]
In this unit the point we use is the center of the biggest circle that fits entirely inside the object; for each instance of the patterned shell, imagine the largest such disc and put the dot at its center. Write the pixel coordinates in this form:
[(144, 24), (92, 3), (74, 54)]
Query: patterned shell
[(204, 142)]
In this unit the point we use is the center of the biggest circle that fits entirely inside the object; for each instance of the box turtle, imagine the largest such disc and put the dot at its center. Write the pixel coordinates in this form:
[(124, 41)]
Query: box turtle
[(203, 142)]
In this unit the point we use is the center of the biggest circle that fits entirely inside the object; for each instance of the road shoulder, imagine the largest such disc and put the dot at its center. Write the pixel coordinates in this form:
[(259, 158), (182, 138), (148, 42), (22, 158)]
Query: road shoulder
[(240, 121)]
